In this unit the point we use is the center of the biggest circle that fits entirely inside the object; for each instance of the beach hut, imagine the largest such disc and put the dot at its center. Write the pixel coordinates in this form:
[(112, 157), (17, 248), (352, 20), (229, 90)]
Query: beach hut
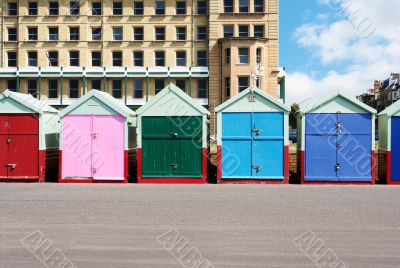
[(252, 139), (389, 143), (337, 141), (172, 139), (29, 131), (94, 139)]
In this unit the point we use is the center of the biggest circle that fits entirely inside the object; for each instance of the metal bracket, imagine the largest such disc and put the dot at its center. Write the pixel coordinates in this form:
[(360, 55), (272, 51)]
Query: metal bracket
[(338, 146), (174, 134), (258, 168), (11, 165), (174, 166), (257, 131), (8, 140), (338, 166), (94, 135), (93, 170)]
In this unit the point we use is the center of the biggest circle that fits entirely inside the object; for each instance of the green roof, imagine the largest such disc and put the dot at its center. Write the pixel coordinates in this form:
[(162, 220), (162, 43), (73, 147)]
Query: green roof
[(38, 106), (256, 91), (392, 109)]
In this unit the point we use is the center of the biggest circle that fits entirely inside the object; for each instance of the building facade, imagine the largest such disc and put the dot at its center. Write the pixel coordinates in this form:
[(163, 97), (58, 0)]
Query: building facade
[(58, 50)]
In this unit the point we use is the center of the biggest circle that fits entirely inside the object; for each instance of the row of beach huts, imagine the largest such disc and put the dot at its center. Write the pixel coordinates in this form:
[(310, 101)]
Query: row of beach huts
[(93, 140)]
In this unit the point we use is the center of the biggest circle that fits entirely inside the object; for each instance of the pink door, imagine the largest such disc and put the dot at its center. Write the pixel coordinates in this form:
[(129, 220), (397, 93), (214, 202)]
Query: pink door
[(76, 146), (108, 147)]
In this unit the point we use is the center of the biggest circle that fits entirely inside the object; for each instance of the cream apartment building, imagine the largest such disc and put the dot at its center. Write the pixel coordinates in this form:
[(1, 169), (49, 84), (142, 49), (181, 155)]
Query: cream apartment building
[(58, 50)]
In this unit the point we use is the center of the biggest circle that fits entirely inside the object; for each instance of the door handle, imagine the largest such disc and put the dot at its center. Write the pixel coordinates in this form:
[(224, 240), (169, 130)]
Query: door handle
[(257, 168), (338, 146), (93, 170), (174, 166), (174, 134), (94, 135), (11, 166), (257, 131), (8, 140), (338, 166)]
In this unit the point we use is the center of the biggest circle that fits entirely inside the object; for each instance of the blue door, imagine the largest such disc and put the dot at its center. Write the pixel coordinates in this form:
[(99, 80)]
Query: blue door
[(395, 149), (338, 147), (320, 154), (252, 146), (354, 147)]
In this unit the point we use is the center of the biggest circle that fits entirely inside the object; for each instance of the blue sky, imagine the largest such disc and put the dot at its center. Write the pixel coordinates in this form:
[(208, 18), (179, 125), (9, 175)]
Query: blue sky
[(331, 45)]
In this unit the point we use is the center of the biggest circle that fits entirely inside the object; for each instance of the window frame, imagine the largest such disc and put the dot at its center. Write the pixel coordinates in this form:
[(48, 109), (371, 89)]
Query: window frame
[(15, 59), (117, 61), (96, 61), (241, 56), (179, 59), (156, 58), (51, 89), (52, 59), (117, 11)]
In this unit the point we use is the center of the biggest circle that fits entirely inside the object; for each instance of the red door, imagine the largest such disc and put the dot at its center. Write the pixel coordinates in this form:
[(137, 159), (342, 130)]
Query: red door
[(3, 145), (22, 145)]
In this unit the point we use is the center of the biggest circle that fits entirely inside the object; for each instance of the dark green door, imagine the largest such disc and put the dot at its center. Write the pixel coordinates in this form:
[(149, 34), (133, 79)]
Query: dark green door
[(171, 146)]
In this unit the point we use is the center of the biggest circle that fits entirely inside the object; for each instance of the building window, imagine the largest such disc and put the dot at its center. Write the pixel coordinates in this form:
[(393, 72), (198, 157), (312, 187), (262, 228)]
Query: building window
[(138, 33), (243, 55), (181, 58), (13, 9), (117, 34), (259, 55), (160, 7), (96, 34), (181, 83), (53, 33), (12, 84), (53, 58), (138, 8), (227, 87), (243, 30), (12, 58), (202, 58), (32, 59), (53, 89), (117, 58), (243, 82), (138, 58), (138, 89), (74, 88), (97, 9), (32, 87), (32, 8), (201, 33), (181, 7), (74, 58), (202, 7), (227, 55), (259, 6), (160, 33), (228, 31), (117, 88), (228, 6), (117, 8), (259, 31), (12, 34), (53, 8), (244, 6), (202, 88), (74, 8), (160, 58), (96, 58), (74, 33), (32, 34), (181, 33), (158, 85), (96, 84)]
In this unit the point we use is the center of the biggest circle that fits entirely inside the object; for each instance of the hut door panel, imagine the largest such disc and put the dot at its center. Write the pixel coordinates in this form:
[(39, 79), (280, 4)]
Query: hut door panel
[(23, 124), (23, 156), (77, 146), (4, 125), (3, 156), (354, 147), (236, 145), (268, 145), (108, 147), (320, 147), (186, 146), (395, 149), (156, 147)]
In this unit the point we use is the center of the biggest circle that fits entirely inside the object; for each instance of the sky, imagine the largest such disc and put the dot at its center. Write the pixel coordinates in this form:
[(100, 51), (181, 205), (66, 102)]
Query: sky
[(337, 45)]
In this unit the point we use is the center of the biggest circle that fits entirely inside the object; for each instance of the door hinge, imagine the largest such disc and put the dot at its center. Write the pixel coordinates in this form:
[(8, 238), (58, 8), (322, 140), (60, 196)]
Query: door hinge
[(8, 140), (257, 168)]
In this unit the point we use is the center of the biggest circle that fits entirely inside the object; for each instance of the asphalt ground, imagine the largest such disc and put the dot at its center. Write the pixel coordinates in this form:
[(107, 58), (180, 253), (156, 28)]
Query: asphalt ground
[(95, 225)]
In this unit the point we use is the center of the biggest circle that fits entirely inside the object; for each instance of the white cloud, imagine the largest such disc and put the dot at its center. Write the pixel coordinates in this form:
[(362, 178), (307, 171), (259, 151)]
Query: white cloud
[(363, 56)]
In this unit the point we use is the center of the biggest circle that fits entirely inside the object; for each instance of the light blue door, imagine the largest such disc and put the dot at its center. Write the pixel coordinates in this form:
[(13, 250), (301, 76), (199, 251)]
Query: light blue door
[(268, 146), (236, 145), (320, 147), (252, 146), (395, 149), (354, 147)]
